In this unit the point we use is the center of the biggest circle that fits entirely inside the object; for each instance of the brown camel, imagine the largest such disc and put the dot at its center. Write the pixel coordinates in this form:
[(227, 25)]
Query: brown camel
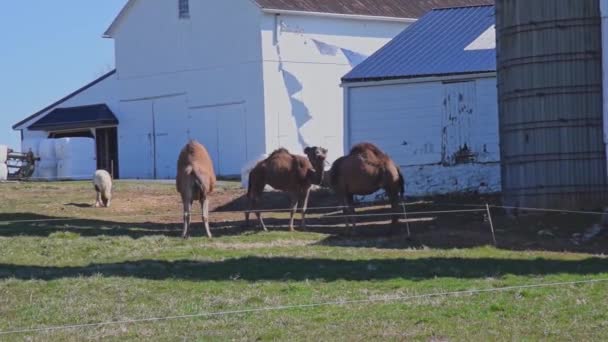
[(195, 180), (365, 170), (283, 171)]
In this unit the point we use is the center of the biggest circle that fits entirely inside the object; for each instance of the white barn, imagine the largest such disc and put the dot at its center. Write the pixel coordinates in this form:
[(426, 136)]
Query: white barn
[(242, 76), (428, 98)]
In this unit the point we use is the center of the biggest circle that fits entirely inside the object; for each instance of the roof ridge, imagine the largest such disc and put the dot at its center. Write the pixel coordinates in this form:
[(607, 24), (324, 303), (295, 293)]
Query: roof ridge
[(460, 7), (67, 97)]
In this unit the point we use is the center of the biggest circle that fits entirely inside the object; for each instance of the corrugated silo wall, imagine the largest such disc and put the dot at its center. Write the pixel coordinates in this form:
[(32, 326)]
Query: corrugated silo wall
[(550, 103)]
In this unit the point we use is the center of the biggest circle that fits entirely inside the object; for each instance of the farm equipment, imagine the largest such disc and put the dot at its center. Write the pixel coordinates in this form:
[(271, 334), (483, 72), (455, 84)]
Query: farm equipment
[(20, 165)]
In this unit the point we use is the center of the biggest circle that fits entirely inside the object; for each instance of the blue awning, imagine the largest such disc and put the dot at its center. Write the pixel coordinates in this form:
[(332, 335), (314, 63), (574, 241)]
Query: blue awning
[(75, 118)]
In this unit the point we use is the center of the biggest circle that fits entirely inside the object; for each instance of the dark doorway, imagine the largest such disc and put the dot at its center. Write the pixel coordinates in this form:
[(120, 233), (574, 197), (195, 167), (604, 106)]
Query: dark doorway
[(75, 134), (106, 145), (107, 150)]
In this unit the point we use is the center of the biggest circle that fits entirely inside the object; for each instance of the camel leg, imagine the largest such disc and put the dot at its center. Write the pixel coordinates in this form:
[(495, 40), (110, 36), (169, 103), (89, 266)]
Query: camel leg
[(205, 209), (304, 202), (259, 215), (294, 208), (247, 212), (346, 212), (351, 206), (253, 206), (187, 207)]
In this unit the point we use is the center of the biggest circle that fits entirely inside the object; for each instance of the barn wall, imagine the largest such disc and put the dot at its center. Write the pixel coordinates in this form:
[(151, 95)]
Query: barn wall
[(182, 79), (304, 60), (424, 127)]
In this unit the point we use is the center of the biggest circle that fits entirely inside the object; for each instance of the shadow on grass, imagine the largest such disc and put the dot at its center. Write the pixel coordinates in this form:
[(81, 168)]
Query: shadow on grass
[(285, 268), (43, 226), (79, 205)]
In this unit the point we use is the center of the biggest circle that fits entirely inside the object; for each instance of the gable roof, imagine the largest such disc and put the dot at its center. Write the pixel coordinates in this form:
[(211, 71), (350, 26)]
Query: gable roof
[(377, 8), (69, 96), (443, 42), (396, 9)]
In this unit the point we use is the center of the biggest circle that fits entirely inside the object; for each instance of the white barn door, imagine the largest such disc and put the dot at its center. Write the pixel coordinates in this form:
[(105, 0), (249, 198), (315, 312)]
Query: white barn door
[(170, 134), (136, 140), (459, 120), (223, 131), (404, 120), (232, 139)]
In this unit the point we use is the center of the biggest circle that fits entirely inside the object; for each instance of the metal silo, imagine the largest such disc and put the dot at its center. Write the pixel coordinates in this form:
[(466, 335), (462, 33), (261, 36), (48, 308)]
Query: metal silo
[(550, 103)]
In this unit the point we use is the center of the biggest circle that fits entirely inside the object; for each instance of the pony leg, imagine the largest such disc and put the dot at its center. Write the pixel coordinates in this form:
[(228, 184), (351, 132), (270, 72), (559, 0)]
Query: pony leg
[(294, 208), (305, 207), (205, 208), (98, 200), (187, 207)]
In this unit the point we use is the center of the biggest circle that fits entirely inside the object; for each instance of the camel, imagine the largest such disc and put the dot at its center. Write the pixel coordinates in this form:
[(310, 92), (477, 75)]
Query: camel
[(365, 170), (283, 171), (195, 180)]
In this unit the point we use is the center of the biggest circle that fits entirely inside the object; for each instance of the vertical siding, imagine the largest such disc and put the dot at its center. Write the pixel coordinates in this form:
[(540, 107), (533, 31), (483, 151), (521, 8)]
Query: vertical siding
[(550, 102), (304, 58), (411, 122)]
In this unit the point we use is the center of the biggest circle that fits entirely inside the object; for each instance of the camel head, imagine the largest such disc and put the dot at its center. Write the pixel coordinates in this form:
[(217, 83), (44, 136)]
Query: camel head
[(317, 156)]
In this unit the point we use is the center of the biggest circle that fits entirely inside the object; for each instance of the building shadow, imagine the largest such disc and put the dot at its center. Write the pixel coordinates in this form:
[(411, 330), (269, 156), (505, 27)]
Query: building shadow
[(255, 269), (30, 224)]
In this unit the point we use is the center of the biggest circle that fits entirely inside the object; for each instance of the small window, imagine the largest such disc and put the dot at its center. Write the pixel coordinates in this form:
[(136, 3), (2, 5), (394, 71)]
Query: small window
[(184, 9)]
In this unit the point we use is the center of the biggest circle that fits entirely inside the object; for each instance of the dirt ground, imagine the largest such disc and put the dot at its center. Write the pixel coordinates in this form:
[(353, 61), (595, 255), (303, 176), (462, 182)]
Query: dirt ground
[(527, 231), (157, 209)]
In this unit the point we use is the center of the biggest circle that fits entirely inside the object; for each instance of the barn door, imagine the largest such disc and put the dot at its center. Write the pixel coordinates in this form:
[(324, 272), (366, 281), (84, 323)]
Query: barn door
[(136, 140), (458, 122), (231, 139), (170, 134), (222, 129)]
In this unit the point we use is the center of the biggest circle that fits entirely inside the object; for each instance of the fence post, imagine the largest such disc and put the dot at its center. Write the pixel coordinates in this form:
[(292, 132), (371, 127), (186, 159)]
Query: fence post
[(491, 223), (407, 224)]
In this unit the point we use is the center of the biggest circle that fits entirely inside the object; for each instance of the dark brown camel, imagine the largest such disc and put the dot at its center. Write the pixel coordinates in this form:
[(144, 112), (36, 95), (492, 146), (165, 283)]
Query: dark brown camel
[(195, 180), (283, 171), (365, 170)]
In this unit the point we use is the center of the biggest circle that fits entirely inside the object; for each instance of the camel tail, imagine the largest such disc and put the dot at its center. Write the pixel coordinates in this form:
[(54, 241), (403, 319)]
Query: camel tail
[(199, 181), (401, 183)]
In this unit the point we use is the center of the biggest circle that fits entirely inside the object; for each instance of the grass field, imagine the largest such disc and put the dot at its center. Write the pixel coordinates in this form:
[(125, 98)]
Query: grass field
[(128, 262)]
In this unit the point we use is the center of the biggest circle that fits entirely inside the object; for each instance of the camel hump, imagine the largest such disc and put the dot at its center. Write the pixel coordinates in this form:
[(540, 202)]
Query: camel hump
[(278, 151), (364, 148)]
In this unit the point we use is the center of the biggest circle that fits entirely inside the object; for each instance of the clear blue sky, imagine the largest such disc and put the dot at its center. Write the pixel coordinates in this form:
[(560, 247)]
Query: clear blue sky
[(49, 49)]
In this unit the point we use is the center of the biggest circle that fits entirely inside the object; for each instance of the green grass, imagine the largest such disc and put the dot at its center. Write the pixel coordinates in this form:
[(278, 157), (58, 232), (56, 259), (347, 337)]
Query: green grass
[(104, 269)]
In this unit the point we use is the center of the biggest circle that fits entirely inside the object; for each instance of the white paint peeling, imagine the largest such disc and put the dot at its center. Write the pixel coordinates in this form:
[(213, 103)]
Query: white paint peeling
[(427, 127)]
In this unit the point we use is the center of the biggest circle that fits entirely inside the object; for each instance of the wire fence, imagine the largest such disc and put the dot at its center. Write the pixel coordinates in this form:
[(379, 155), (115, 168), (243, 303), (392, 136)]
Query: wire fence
[(468, 208), (301, 306), (404, 216)]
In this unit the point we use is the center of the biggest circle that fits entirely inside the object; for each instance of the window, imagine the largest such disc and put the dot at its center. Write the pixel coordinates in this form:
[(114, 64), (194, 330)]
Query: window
[(184, 9)]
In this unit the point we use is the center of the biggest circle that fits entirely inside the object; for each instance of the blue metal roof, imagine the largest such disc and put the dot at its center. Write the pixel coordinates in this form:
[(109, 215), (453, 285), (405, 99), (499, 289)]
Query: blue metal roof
[(433, 46), (76, 118)]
